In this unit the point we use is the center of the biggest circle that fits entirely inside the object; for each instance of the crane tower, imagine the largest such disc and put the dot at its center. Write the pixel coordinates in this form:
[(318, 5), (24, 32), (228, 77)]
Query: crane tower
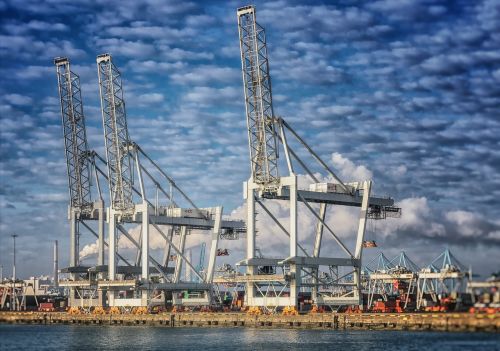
[(116, 135), (261, 122)]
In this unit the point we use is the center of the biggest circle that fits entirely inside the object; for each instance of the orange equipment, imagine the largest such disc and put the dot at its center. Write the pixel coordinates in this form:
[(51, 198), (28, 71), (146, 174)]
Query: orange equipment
[(389, 306), (99, 310), (46, 307), (114, 310), (290, 311)]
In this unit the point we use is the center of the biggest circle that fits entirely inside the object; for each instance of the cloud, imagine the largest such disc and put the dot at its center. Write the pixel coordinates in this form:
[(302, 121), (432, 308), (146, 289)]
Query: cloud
[(89, 251), (150, 66), (140, 31), (200, 20), (348, 170), (17, 99), (34, 25), (121, 47), (152, 98), (212, 96), (205, 74), (402, 92), (339, 110), (408, 10)]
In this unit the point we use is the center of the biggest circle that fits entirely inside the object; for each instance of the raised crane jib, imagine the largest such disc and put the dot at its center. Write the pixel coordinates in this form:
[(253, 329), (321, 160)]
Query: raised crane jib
[(75, 137), (116, 137), (262, 125)]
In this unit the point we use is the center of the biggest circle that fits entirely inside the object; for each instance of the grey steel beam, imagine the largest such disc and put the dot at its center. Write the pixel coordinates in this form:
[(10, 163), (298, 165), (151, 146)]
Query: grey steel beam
[(321, 261), (193, 222), (260, 262), (334, 198), (177, 286)]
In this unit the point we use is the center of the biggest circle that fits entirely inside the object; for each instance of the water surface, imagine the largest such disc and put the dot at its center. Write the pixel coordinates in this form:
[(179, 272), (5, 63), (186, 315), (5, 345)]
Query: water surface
[(69, 337)]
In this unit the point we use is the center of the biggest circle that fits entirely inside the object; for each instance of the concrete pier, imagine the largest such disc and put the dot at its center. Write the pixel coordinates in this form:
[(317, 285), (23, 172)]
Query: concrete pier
[(336, 321)]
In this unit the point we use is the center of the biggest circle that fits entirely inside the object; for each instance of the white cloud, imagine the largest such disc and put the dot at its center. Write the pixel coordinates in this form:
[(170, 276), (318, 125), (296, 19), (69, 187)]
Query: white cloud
[(212, 96), (413, 105), (89, 251), (127, 48), (34, 72), (17, 99), (467, 223), (339, 110), (496, 74), (151, 98), (206, 74), (348, 170), (150, 66), (400, 171), (200, 20)]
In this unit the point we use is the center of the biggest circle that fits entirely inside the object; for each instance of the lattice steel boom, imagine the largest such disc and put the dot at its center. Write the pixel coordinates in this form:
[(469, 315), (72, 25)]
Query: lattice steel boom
[(258, 100), (116, 135), (75, 138)]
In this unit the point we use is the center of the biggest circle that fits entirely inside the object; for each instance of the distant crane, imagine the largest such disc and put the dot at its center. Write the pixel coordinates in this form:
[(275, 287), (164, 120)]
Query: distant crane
[(443, 276), (396, 279)]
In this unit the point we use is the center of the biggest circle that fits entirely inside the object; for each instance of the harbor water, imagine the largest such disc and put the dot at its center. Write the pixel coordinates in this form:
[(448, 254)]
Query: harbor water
[(72, 337)]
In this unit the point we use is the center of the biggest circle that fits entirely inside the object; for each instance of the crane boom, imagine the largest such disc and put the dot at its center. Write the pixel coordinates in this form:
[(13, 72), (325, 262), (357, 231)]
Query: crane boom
[(75, 137), (258, 100), (116, 135)]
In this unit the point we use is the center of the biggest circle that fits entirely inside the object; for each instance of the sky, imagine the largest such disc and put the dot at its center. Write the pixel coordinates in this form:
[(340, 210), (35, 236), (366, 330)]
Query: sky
[(406, 93)]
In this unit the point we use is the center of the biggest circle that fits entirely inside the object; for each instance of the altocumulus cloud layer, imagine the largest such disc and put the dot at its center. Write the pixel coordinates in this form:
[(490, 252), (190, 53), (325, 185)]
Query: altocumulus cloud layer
[(405, 91)]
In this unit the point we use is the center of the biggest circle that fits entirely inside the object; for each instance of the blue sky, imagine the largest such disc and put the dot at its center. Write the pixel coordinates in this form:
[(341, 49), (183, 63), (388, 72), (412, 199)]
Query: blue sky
[(405, 91)]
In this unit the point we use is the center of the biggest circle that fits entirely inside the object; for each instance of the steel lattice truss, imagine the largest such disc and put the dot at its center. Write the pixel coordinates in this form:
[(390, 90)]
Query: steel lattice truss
[(115, 134), (258, 101), (75, 139)]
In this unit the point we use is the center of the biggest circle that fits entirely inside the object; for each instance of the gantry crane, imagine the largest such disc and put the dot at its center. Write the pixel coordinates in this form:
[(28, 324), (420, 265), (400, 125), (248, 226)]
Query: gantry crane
[(124, 155), (265, 132), (121, 156), (444, 278), (393, 281)]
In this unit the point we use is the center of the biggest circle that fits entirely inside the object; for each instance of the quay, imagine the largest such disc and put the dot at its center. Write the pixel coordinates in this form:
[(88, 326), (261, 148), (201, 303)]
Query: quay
[(453, 322)]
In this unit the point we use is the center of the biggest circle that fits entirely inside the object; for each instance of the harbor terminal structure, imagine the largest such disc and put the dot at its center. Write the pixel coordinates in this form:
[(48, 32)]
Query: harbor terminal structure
[(125, 193)]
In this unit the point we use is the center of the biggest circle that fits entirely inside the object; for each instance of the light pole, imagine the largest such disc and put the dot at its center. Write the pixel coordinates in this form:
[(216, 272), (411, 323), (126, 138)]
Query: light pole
[(14, 297)]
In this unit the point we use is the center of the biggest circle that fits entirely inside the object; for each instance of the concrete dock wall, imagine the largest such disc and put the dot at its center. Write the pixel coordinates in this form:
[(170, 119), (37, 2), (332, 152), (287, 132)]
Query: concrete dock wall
[(336, 321)]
